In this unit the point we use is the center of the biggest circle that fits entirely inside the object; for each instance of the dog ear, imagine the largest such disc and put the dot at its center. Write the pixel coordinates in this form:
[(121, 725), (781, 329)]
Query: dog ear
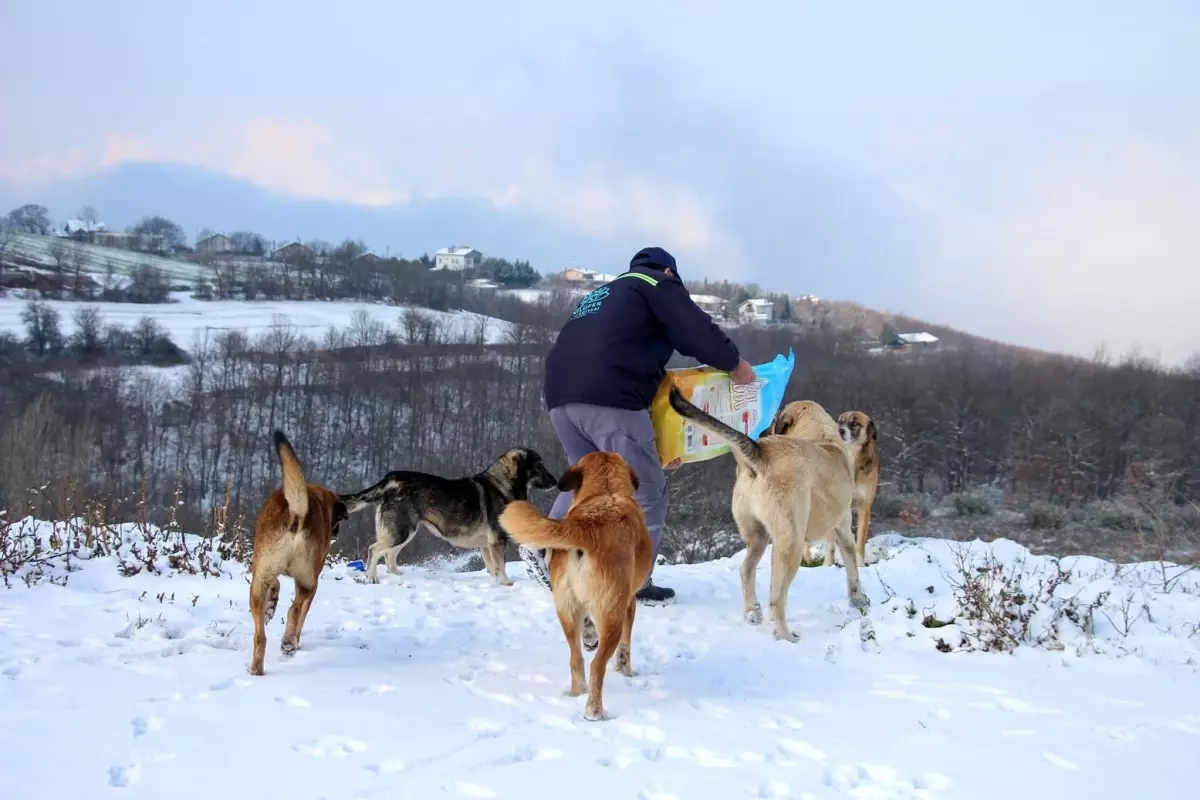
[(633, 476), (872, 431), (571, 480)]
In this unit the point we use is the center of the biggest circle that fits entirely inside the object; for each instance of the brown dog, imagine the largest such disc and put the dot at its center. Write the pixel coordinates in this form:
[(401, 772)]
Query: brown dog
[(606, 557), (292, 536), (859, 429)]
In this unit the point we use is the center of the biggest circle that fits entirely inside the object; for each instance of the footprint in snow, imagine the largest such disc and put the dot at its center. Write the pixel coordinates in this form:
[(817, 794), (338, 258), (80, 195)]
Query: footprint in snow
[(144, 725), (122, 775), (293, 701)]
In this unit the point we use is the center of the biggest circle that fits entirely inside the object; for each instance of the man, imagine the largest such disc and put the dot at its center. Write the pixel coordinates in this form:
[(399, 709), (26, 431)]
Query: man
[(605, 368)]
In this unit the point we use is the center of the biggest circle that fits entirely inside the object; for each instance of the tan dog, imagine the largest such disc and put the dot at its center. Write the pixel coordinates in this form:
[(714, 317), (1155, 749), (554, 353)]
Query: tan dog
[(292, 536), (604, 556), (789, 492), (863, 433)]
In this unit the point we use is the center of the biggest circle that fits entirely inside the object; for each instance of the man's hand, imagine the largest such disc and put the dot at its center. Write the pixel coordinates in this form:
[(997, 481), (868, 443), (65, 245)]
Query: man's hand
[(743, 373)]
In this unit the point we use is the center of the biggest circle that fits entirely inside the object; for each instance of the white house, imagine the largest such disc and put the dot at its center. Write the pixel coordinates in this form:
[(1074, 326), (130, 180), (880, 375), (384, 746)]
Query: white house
[(457, 257), (757, 311), (711, 304), (917, 338), (76, 227)]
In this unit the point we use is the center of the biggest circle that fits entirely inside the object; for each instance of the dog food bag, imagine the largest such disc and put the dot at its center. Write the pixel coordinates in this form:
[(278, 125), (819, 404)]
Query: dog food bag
[(749, 408)]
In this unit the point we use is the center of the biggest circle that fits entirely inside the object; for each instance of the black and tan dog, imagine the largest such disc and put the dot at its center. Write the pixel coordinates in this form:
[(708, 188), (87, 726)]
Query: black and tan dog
[(793, 486), (463, 511), (604, 555), (292, 536)]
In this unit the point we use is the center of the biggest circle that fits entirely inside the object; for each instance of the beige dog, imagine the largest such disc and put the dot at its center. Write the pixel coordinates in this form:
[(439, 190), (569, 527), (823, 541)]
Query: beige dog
[(790, 490)]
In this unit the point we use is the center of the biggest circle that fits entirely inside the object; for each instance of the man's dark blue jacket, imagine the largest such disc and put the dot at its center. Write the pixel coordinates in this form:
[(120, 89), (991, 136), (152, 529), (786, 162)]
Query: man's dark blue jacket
[(615, 348)]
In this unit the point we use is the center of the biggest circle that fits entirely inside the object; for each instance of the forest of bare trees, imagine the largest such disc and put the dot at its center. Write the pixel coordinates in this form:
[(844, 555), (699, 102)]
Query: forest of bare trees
[(398, 391)]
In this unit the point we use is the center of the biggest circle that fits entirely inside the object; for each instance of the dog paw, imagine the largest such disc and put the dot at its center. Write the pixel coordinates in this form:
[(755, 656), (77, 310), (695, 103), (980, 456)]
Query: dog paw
[(754, 614), (256, 670), (289, 648), (787, 636), (574, 692), (860, 601), (628, 672), (505, 581), (593, 714)]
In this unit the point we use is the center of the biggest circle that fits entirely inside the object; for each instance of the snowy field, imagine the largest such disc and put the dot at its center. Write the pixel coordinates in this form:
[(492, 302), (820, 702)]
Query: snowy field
[(96, 259), (438, 683), (187, 318)]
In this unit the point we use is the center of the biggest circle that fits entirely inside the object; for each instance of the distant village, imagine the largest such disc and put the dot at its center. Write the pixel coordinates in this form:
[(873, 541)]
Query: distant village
[(249, 249)]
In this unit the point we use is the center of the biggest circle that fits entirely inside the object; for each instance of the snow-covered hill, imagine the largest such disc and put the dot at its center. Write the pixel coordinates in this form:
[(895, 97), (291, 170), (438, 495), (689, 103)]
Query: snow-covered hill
[(439, 683), (186, 318)]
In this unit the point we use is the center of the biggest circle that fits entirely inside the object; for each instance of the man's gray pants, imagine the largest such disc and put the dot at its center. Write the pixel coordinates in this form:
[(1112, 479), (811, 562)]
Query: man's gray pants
[(584, 429)]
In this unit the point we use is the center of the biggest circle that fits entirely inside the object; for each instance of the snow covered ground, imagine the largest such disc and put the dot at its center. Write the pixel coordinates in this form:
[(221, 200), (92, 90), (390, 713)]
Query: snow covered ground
[(96, 259), (438, 683), (187, 318)]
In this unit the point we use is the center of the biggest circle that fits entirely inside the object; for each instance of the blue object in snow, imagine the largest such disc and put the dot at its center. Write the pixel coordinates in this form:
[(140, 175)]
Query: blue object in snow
[(358, 565)]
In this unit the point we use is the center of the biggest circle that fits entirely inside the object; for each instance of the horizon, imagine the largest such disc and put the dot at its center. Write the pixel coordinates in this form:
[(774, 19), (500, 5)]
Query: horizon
[(1025, 174)]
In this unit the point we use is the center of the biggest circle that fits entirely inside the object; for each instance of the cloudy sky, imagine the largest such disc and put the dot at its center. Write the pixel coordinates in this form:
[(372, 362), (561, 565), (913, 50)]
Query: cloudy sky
[(1026, 171)]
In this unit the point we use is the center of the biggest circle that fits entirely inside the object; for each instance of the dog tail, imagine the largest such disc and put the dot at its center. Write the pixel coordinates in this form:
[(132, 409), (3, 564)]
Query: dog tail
[(295, 489), (528, 526), (748, 452), (367, 497)]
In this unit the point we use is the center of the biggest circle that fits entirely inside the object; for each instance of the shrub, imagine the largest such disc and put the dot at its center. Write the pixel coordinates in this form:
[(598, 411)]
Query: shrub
[(888, 506), (971, 504), (1113, 516), (1046, 516)]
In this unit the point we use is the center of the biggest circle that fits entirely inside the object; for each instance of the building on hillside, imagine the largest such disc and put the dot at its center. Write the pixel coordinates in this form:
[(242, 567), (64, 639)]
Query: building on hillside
[(581, 275), (711, 304), (907, 343), (366, 258), (811, 299), (756, 311), (292, 252), (83, 229), (217, 244), (457, 257)]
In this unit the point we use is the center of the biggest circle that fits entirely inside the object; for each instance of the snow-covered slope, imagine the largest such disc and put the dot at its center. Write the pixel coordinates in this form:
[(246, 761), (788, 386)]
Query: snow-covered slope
[(186, 318), (439, 683)]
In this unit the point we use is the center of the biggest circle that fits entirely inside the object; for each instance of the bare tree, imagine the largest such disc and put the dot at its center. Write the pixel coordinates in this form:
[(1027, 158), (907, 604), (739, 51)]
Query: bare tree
[(88, 338), (30, 219), (42, 332)]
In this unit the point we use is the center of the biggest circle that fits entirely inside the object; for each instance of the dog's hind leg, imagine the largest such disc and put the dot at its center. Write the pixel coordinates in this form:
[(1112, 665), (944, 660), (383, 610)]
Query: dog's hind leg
[(296, 616), (611, 625), (845, 542), (261, 588), (785, 563), (624, 657), (570, 616), (755, 536)]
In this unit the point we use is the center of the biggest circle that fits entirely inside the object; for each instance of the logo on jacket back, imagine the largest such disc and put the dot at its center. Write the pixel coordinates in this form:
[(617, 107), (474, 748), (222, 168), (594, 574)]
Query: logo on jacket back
[(591, 303)]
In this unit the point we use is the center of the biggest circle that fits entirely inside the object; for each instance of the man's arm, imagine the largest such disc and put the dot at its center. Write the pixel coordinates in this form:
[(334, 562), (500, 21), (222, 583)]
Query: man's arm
[(691, 331)]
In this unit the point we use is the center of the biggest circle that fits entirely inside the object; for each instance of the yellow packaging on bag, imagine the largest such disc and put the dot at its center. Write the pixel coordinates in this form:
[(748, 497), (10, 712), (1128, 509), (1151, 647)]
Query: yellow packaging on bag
[(749, 408)]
